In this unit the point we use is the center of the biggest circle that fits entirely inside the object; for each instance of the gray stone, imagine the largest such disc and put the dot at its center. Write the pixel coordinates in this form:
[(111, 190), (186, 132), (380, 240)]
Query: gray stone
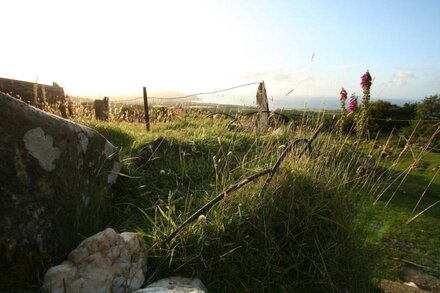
[(175, 285), (388, 286), (104, 262), (421, 279), (54, 178)]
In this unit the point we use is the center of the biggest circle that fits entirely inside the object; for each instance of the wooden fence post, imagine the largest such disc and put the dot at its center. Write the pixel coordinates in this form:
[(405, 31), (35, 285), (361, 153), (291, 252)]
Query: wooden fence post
[(147, 116), (102, 108), (263, 104)]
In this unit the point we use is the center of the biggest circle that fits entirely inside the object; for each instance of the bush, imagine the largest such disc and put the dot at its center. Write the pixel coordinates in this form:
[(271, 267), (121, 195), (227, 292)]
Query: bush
[(428, 121), (384, 116), (429, 108)]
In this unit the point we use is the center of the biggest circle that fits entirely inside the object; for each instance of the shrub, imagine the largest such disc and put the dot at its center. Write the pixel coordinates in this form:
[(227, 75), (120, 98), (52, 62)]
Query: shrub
[(427, 122), (386, 116)]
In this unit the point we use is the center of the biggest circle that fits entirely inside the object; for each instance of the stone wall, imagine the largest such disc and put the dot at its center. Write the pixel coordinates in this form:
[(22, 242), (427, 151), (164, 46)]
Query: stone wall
[(25, 90)]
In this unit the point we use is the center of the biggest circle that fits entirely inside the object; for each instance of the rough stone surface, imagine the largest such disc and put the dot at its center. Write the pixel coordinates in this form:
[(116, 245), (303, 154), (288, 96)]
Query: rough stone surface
[(421, 279), (388, 286), (54, 175), (104, 262), (176, 285)]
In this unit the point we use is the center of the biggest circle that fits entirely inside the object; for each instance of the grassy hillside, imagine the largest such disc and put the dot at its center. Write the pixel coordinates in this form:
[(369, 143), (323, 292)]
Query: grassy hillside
[(317, 228)]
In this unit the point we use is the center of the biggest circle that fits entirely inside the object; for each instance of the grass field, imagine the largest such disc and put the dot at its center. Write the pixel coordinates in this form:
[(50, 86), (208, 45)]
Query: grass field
[(402, 235), (317, 228)]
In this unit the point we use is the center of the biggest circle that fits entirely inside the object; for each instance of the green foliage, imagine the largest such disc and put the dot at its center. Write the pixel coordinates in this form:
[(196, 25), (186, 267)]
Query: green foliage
[(427, 128), (300, 231), (114, 134), (385, 116), (300, 237), (429, 108), (313, 230), (347, 124)]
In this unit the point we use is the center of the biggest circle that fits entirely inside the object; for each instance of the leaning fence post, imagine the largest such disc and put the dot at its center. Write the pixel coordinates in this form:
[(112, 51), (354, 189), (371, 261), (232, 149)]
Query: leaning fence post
[(263, 115), (147, 116)]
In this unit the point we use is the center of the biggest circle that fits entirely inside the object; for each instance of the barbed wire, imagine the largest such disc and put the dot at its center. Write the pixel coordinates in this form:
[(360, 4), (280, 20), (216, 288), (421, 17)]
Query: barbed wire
[(385, 119), (371, 118), (192, 95), (255, 83), (405, 120)]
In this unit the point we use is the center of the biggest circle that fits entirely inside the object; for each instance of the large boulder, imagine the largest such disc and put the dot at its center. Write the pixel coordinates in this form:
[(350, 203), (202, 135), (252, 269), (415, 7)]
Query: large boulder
[(55, 177), (104, 262)]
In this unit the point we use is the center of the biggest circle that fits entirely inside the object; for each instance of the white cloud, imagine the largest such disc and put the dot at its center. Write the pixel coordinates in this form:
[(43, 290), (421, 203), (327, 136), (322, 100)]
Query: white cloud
[(401, 77), (304, 75), (277, 74)]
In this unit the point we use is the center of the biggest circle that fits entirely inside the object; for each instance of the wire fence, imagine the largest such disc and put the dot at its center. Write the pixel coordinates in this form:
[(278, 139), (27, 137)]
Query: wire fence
[(193, 95), (405, 120), (257, 83)]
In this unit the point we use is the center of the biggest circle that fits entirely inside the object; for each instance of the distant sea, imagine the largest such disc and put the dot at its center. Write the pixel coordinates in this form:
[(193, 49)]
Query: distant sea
[(312, 102)]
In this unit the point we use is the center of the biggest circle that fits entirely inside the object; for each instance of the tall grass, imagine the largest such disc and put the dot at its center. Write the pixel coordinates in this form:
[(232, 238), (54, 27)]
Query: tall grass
[(299, 235), (309, 232)]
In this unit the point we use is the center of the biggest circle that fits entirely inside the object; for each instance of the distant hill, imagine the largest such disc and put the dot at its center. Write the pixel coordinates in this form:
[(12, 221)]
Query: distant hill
[(155, 98), (78, 99), (158, 98)]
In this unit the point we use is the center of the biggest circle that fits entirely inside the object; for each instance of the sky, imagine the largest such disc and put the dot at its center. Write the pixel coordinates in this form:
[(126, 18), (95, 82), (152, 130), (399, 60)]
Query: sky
[(105, 48)]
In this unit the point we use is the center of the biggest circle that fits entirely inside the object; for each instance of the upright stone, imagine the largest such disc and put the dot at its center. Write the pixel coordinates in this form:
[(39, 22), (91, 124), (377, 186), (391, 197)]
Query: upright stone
[(263, 105), (102, 109), (54, 178)]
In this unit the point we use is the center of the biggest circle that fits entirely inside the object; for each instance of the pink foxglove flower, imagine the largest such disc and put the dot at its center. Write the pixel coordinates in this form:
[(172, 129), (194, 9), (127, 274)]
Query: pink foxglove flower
[(366, 81), (343, 94), (352, 104)]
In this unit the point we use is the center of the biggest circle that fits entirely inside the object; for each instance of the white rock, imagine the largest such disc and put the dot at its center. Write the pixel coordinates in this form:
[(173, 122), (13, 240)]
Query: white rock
[(98, 242), (411, 284), (104, 262), (175, 285), (66, 270)]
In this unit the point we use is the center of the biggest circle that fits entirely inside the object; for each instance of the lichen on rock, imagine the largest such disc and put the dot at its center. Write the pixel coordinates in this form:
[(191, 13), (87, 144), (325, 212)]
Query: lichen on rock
[(40, 146), (111, 178)]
